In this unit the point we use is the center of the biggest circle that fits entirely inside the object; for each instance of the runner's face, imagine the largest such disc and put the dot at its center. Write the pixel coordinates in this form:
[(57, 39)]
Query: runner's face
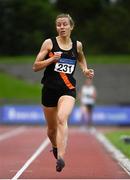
[(63, 27)]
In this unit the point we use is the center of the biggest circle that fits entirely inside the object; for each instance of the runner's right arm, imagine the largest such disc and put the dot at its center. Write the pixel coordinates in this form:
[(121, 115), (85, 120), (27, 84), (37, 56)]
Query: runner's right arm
[(40, 62)]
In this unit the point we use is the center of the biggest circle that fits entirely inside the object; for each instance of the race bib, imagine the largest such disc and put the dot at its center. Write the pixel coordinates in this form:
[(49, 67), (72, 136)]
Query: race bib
[(65, 65)]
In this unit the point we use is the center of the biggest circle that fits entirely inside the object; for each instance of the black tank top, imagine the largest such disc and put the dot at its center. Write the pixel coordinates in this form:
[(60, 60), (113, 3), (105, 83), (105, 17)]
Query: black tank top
[(60, 75)]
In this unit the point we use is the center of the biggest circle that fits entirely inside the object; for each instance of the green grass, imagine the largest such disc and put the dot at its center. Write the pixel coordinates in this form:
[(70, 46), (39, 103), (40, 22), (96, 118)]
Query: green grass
[(115, 139), (109, 59), (14, 89), (94, 59)]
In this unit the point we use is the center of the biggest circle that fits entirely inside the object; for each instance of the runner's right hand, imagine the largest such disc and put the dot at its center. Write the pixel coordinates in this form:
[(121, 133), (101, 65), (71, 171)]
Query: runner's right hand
[(56, 57)]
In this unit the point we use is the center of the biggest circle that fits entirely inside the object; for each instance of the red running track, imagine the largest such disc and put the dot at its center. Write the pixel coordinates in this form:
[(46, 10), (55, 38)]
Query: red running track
[(85, 158)]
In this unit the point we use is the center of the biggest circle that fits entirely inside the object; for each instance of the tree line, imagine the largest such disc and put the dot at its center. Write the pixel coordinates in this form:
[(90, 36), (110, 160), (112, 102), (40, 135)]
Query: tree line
[(102, 25)]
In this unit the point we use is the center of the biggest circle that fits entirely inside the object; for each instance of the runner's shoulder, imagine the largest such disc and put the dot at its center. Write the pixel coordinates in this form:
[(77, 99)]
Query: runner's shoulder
[(79, 46), (47, 44)]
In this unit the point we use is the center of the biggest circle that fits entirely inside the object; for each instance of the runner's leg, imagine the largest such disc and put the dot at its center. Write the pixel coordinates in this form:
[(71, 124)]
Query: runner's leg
[(65, 106), (50, 115)]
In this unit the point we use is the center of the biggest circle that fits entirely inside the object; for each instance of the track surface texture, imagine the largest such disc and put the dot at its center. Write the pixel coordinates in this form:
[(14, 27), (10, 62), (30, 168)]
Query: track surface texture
[(25, 154)]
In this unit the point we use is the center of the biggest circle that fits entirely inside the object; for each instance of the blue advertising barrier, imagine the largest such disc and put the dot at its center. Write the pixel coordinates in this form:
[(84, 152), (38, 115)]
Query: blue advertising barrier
[(112, 115), (28, 114), (104, 115), (32, 114)]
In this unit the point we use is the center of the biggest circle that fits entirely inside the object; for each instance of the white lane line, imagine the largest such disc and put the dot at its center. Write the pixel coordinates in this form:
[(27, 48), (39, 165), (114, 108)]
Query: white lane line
[(12, 133), (116, 153), (32, 158)]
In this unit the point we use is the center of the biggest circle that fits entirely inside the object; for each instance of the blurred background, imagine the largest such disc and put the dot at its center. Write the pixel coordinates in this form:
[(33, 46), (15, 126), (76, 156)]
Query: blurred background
[(103, 26)]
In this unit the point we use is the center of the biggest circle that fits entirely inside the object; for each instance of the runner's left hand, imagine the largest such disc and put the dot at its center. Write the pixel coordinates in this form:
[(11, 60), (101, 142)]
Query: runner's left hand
[(89, 73)]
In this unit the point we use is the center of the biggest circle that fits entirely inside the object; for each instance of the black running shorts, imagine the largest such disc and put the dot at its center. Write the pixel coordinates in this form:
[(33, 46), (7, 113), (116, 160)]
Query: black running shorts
[(51, 96)]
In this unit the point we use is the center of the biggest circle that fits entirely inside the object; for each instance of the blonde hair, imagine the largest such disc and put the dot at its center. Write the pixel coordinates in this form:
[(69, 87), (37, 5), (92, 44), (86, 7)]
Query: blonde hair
[(66, 16)]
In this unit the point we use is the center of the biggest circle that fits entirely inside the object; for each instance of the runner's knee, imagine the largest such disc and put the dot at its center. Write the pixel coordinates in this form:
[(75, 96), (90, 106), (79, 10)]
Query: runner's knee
[(61, 119)]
